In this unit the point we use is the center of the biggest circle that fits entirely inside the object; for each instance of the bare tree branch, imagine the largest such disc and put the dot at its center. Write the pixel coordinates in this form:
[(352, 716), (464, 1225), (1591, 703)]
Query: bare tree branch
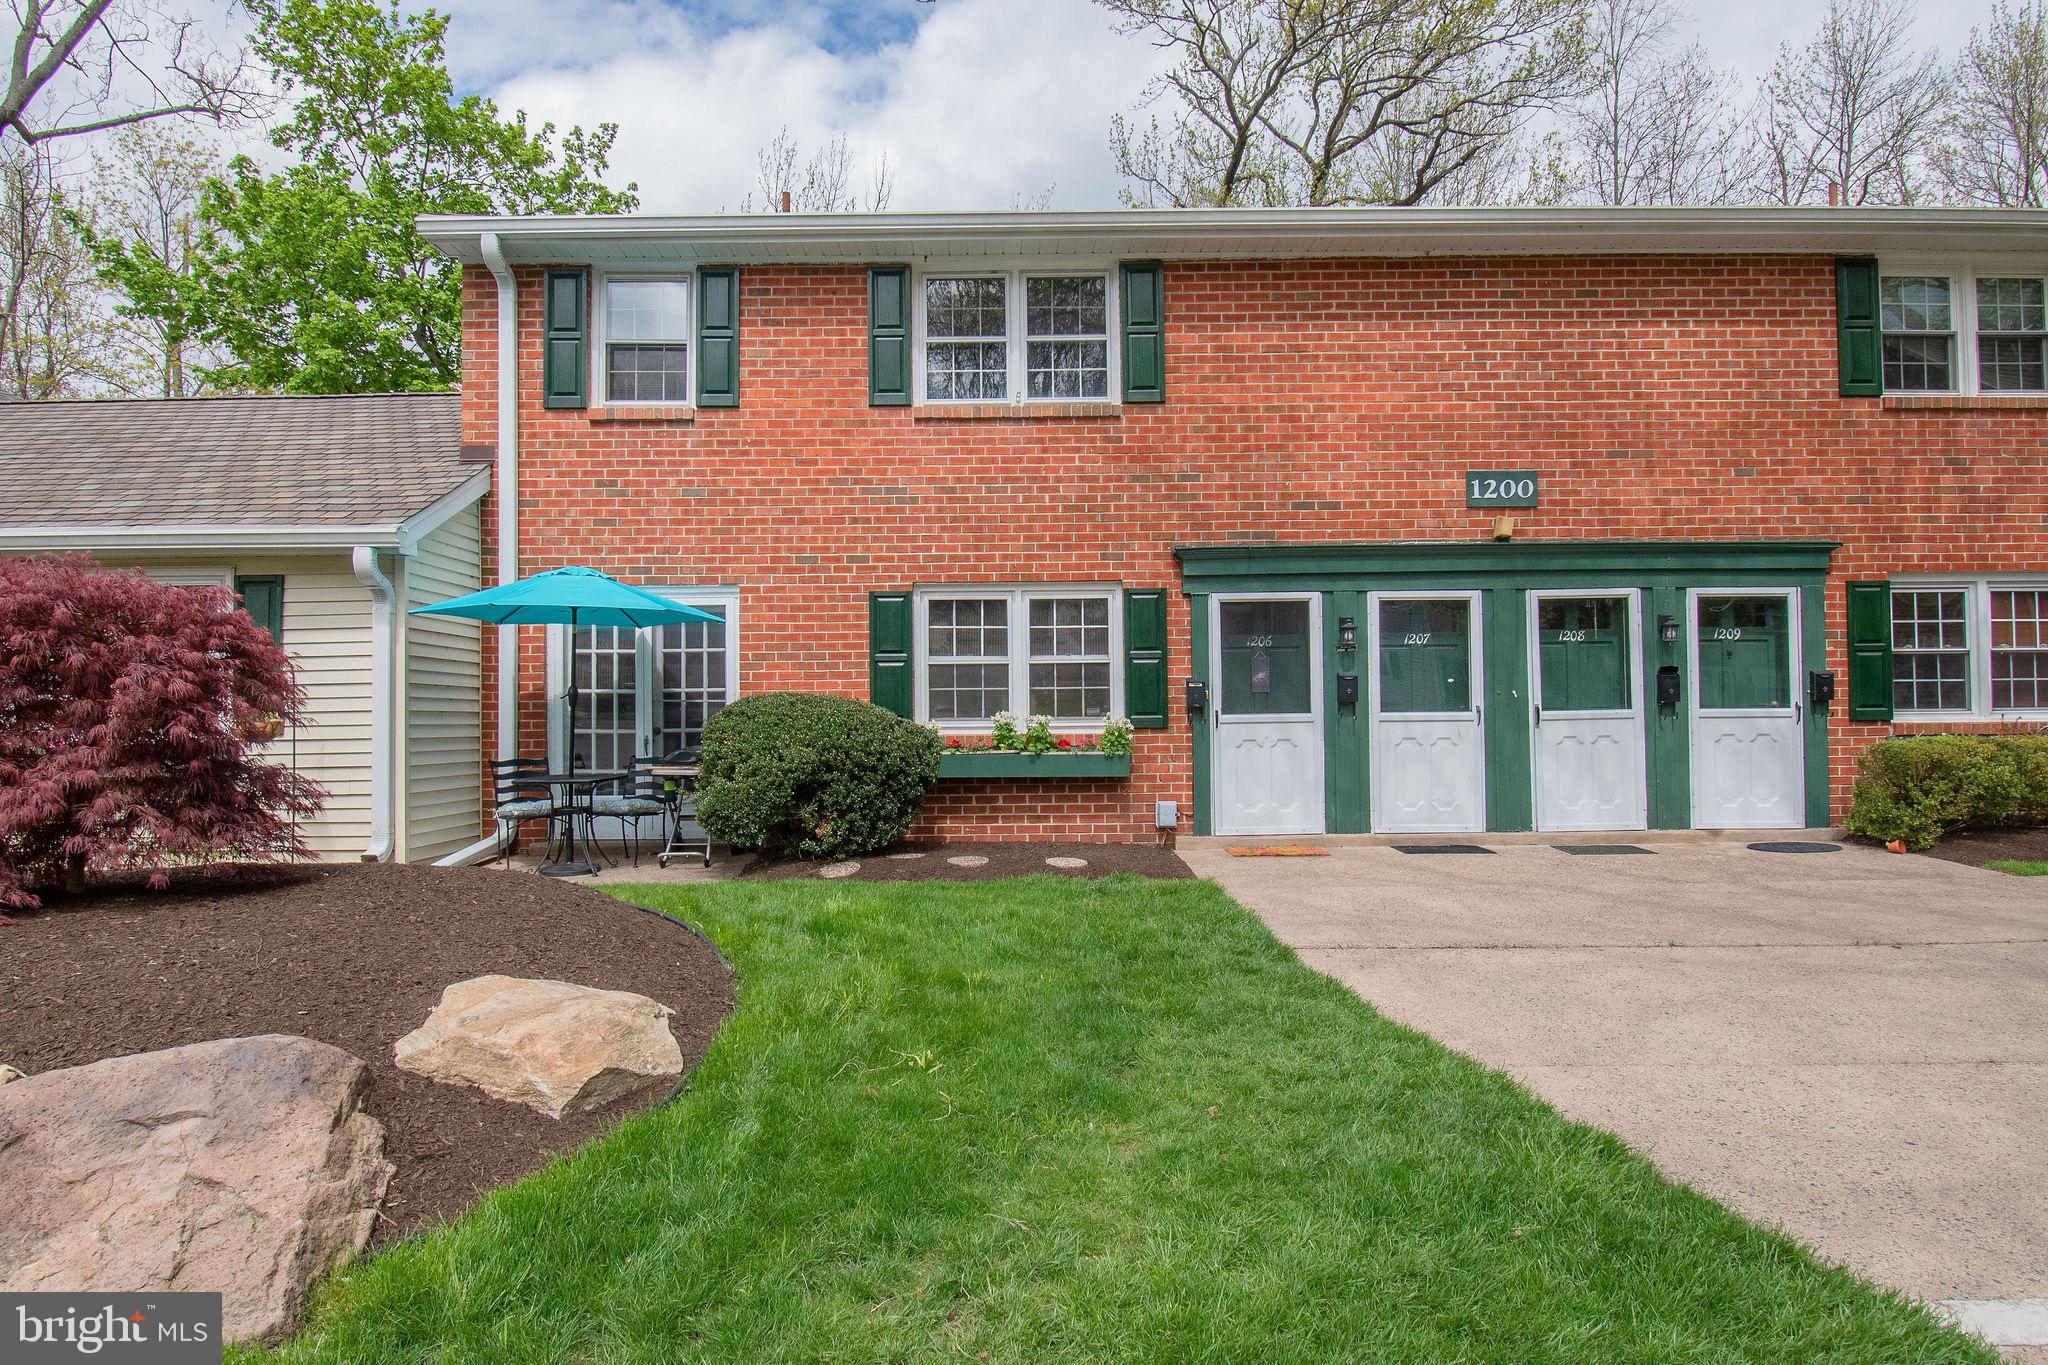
[(1994, 145), (819, 183), (85, 66)]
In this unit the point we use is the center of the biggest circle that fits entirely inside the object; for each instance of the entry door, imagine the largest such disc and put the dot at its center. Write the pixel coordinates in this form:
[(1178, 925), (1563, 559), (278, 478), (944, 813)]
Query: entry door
[(1586, 716), (1267, 735), (1428, 750), (1748, 749)]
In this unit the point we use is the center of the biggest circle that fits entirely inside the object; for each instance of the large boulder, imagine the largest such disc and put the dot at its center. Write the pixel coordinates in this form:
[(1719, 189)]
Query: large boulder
[(244, 1165), (550, 1045)]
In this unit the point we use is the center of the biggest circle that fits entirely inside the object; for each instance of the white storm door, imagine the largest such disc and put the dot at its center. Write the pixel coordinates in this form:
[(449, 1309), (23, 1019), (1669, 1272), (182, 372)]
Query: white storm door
[(1586, 710), (1748, 749), (1428, 747), (1266, 735)]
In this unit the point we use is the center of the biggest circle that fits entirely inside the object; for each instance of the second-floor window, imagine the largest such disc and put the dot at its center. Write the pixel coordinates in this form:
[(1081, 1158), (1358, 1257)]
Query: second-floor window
[(646, 330), (1015, 335), (1980, 330)]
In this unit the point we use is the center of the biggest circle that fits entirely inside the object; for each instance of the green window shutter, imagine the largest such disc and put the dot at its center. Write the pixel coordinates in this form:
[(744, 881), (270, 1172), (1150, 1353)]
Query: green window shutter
[(565, 341), (1870, 650), (263, 598), (889, 336), (1859, 341), (1144, 321), (1145, 658), (718, 337), (890, 683)]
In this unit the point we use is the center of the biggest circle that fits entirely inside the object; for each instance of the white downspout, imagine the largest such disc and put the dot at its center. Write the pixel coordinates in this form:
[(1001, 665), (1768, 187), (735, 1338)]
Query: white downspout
[(383, 627), (507, 484)]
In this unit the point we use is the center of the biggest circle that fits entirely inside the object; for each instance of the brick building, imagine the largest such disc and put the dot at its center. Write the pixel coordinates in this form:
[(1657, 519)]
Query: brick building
[(1397, 520)]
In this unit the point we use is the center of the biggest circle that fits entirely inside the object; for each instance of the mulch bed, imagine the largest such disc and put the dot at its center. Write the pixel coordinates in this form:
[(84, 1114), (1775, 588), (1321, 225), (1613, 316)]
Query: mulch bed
[(928, 862), (1981, 846), (355, 957)]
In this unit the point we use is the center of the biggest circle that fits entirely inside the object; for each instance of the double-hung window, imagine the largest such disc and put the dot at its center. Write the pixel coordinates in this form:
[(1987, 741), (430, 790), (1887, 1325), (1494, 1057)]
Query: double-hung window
[(1007, 336), (1046, 651), (645, 324), (1970, 647), (1974, 328)]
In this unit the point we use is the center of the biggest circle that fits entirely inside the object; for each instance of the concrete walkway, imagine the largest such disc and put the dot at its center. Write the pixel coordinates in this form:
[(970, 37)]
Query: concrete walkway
[(1853, 1045)]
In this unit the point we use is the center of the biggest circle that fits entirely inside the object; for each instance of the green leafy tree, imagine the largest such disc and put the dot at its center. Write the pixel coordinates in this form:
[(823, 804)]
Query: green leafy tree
[(313, 279)]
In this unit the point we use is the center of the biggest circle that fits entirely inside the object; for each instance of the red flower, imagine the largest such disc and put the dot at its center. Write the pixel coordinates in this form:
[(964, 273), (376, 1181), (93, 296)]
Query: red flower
[(1066, 743), (953, 743)]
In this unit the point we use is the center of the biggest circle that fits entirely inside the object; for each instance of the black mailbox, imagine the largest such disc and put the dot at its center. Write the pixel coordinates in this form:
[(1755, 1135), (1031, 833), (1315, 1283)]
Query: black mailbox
[(1667, 685), (1820, 688), (1198, 696), (1347, 691)]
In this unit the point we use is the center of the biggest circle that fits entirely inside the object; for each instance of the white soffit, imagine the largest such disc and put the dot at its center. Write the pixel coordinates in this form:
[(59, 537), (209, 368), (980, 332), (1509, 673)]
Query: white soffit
[(1235, 234)]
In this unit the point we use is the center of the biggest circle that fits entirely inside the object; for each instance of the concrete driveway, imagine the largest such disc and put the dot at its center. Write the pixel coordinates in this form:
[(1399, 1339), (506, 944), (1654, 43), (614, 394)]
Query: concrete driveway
[(1852, 1045)]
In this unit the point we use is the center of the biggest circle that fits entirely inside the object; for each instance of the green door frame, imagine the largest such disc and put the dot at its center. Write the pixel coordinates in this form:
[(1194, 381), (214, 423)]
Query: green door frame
[(1504, 572)]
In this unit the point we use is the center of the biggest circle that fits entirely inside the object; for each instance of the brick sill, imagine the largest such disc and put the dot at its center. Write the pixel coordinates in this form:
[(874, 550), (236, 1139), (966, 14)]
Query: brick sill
[(987, 412), (2022, 724), (626, 412), (1920, 402)]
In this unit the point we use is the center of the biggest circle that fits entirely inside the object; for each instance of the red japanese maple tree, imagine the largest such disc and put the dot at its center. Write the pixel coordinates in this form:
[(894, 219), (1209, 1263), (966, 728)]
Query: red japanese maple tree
[(125, 711)]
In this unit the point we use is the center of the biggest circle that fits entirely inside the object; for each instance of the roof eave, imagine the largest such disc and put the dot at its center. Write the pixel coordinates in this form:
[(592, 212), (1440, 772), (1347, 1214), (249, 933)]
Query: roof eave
[(242, 539), (1240, 233)]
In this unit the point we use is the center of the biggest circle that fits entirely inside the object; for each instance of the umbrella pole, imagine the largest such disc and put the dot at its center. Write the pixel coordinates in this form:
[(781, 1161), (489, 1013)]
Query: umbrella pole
[(571, 866)]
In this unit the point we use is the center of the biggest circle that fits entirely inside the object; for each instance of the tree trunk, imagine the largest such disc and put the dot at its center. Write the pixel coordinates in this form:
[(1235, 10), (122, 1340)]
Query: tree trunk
[(74, 874)]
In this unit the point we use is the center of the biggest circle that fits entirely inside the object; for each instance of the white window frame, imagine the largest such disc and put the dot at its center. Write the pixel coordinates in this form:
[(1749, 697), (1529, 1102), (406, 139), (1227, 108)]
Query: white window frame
[(727, 598), (1020, 598), (1976, 590), (1962, 274), (1014, 274), (600, 334)]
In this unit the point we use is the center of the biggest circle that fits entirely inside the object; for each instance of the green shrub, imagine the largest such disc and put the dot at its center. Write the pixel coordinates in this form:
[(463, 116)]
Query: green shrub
[(1920, 788), (811, 776)]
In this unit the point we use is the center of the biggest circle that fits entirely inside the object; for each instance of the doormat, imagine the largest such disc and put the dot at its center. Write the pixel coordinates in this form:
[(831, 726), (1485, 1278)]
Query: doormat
[(1440, 848), (1597, 849), (1278, 851), (1794, 846)]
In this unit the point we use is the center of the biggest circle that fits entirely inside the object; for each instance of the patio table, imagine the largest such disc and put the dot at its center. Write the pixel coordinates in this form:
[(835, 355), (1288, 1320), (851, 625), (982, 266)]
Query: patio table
[(569, 865)]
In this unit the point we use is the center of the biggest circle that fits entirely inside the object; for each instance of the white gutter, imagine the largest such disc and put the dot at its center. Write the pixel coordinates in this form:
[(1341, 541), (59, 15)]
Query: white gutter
[(508, 483), (383, 628), (1224, 233)]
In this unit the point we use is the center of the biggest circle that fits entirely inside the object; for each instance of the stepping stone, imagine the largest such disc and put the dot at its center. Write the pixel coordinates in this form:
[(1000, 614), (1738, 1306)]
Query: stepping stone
[(903, 857), (1066, 862), (832, 872), (968, 860)]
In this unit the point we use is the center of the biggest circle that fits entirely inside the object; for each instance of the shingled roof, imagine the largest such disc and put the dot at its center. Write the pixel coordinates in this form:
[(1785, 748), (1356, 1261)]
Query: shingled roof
[(299, 461)]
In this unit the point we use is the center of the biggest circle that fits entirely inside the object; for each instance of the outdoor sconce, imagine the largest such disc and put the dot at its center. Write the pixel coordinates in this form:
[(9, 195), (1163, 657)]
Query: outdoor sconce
[(1667, 629), (1347, 632)]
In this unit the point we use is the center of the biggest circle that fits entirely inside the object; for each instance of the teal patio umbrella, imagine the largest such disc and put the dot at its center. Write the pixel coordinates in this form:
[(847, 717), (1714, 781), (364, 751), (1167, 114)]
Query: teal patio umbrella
[(573, 596)]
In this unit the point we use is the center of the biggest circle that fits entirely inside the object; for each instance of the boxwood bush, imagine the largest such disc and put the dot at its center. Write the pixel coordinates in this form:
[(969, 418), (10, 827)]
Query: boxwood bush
[(1922, 787), (812, 776)]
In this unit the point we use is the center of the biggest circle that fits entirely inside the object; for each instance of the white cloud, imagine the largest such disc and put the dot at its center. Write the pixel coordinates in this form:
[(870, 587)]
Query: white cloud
[(988, 100)]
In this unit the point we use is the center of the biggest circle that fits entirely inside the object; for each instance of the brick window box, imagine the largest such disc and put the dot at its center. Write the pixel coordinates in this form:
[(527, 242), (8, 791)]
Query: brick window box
[(1001, 763)]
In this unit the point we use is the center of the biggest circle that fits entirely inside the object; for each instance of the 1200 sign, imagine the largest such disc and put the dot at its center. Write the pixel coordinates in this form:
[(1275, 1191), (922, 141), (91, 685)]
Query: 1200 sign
[(1500, 488)]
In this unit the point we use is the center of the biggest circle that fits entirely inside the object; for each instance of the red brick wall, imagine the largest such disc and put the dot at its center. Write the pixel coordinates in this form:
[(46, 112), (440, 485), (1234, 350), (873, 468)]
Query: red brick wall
[(1306, 401)]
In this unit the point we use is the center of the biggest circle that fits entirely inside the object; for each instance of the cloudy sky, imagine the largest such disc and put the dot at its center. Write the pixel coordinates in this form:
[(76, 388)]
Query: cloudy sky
[(976, 102)]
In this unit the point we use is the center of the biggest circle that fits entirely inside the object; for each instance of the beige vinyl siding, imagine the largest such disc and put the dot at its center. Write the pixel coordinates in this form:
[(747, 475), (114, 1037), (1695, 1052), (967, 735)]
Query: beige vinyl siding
[(327, 635), (440, 745)]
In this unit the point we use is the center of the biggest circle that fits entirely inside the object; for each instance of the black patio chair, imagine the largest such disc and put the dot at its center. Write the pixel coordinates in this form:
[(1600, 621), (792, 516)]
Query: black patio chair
[(640, 796), (518, 799)]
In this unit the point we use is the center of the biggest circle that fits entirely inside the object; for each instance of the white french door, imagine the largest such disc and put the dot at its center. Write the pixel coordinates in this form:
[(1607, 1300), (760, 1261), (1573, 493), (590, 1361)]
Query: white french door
[(1586, 709), (1428, 742), (1748, 743), (1266, 717), (642, 692)]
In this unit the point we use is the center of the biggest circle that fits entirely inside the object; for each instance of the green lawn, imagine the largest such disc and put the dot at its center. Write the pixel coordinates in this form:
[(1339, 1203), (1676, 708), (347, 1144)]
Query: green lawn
[(1062, 1120), (2019, 867)]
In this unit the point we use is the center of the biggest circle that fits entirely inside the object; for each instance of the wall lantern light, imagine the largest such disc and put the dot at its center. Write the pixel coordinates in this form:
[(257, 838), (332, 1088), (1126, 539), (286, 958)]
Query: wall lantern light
[(1667, 629), (1347, 632)]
